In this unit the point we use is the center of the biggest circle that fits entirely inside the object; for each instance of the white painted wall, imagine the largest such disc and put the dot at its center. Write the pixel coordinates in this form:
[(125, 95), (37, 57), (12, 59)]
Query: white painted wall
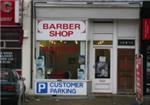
[(128, 28), (26, 55), (102, 30), (103, 13)]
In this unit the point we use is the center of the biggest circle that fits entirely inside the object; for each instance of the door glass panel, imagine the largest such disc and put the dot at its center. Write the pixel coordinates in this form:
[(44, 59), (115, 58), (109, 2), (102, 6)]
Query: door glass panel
[(102, 61)]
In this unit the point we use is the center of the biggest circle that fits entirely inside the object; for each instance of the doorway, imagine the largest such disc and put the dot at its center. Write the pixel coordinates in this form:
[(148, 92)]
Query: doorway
[(102, 71), (126, 68)]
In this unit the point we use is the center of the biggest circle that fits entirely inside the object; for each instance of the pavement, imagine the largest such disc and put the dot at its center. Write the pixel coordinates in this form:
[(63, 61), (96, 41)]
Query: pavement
[(85, 100)]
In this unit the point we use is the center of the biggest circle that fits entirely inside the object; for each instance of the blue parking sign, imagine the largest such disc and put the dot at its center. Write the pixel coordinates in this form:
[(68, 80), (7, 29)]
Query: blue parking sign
[(41, 87)]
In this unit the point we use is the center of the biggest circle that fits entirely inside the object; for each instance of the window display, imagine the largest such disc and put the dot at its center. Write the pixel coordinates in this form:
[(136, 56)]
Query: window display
[(62, 59), (40, 67)]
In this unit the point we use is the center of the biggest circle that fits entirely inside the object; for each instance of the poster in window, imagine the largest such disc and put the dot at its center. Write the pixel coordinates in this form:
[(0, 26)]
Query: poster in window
[(81, 74), (81, 59), (102, 68), (40, 67)]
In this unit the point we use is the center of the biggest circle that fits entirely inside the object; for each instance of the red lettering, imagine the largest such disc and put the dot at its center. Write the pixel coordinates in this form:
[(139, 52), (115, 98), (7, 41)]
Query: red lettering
[(57, 33), (70, 33), (52, 33), (58, 26), (65, 33), (65, 26), (6, 6), (45, 26), (71, 26), (77, 26), (60, 33), (52, 26)]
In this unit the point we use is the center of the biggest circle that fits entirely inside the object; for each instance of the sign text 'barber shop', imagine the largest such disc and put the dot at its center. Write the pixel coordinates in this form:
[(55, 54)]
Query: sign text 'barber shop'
[(61, 30)]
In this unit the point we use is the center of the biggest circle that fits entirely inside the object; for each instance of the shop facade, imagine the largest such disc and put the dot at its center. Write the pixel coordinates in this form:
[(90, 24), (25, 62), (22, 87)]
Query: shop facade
[(11, 34), (145, 45), (81, 48)]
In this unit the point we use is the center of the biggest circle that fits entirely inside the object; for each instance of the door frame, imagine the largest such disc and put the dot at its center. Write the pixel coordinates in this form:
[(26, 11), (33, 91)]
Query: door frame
[(106, 81)]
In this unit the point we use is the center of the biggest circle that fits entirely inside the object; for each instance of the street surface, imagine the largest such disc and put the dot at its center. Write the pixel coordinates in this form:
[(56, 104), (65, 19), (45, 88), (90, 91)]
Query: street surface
[(90, 100)]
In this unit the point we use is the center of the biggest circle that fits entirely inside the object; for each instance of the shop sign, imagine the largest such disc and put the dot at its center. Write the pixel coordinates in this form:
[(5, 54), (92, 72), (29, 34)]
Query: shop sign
[(6, 57), (146, 29), (61, 88), (126, 42), (7, 12), (60, 30), (10, 58), (139, 78)]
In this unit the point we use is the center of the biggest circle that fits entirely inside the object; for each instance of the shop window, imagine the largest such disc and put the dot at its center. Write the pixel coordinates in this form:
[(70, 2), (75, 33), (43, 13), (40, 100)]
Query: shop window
[(60, 60)]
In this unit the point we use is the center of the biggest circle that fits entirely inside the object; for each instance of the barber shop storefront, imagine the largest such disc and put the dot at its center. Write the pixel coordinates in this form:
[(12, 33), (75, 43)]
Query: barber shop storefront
[(84, 49), (61, 55)]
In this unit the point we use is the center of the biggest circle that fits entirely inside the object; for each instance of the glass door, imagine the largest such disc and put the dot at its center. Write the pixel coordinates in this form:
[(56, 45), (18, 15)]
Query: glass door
[(102, 71)]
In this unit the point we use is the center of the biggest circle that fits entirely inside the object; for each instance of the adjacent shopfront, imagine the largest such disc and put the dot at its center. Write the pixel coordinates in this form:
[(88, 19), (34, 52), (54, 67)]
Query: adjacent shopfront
[(92, 50), (145, 45), (11, 47), (11, 35)]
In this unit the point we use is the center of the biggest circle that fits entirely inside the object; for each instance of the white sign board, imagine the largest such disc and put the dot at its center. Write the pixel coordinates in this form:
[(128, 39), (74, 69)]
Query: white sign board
[(60, 30), (61, 88)]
